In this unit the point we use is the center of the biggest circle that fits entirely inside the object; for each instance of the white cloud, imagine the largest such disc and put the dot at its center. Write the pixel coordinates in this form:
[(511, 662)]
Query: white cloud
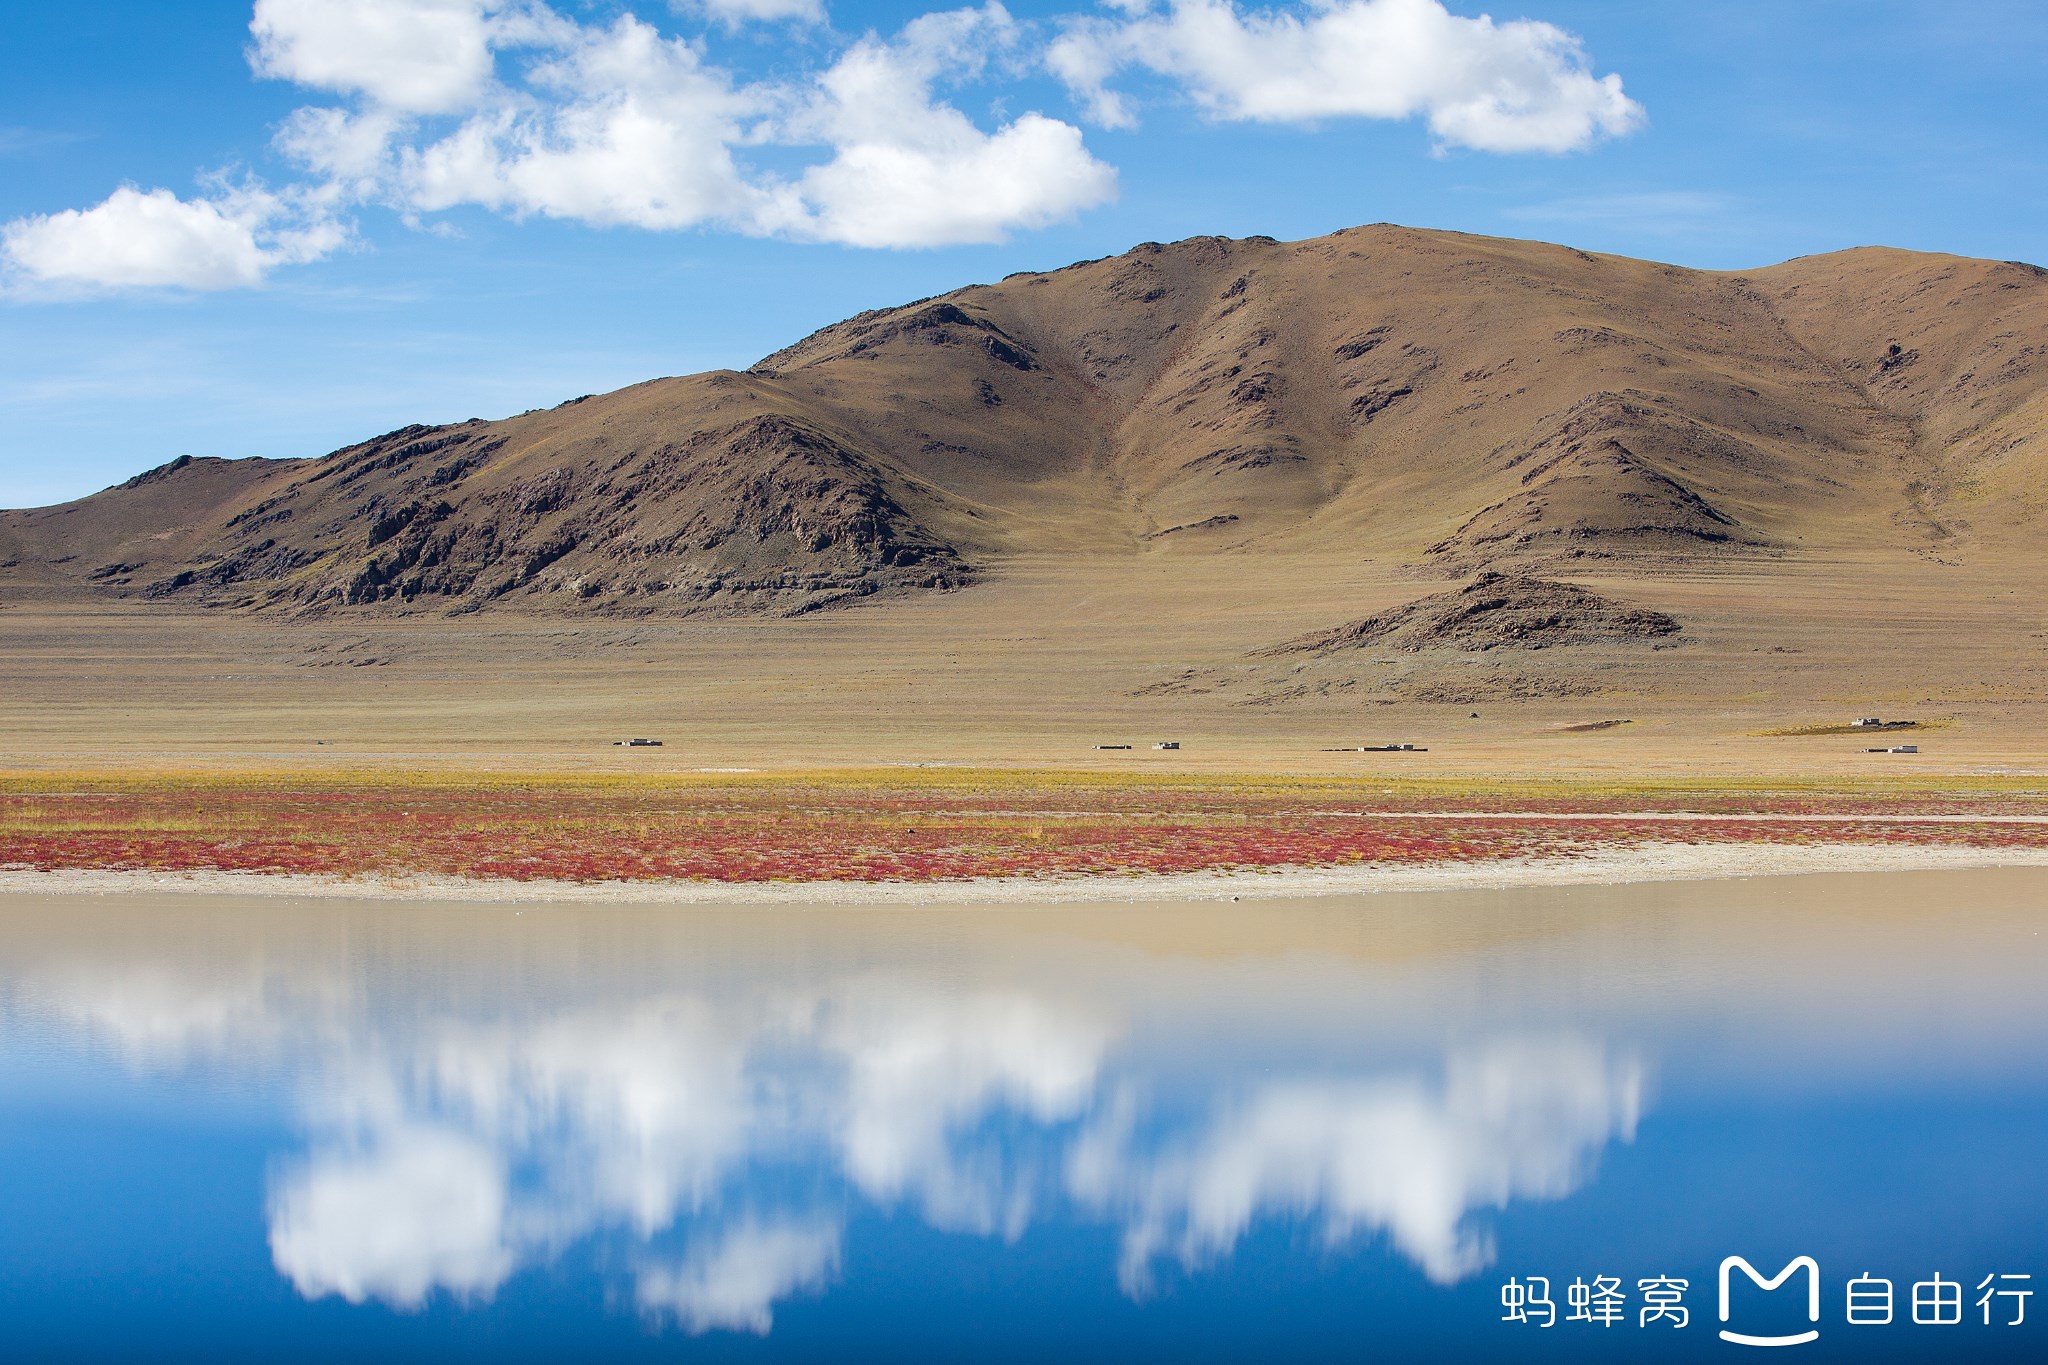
[(352, 151), (416, 56), (1520, 86), (138, 239), (958, 188), (619, 125), (634, 130), (734, 1285), (908, 171)]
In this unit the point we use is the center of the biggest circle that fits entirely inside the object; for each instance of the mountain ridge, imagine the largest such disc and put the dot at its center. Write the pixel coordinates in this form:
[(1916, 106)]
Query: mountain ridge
[(1446, 403)]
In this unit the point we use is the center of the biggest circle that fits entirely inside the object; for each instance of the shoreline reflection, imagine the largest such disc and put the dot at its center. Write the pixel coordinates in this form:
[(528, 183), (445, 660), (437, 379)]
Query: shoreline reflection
[(452, 1156), (708, 1108)]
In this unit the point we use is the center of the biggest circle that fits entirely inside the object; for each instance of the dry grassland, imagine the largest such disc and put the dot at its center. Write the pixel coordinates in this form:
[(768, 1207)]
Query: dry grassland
[(952, 737)]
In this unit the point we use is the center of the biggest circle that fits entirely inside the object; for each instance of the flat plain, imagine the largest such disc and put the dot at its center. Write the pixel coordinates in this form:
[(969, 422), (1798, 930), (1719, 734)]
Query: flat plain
[(1045, 660), (1586, 533)]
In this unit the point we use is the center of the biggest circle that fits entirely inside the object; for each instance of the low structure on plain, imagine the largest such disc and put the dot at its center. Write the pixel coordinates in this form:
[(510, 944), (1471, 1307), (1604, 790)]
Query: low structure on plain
[(1379, 749)]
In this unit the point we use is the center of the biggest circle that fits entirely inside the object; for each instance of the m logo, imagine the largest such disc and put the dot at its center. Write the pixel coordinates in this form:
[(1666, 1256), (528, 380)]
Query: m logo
[(1805, 1263)]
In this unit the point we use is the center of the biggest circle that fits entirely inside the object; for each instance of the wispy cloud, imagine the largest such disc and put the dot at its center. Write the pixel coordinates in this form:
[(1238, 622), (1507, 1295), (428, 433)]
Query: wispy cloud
[(18, 141), (1650, 211)]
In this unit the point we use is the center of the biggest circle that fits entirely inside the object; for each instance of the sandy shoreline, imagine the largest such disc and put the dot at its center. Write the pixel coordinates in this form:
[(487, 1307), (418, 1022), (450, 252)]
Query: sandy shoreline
[(1661, 862)]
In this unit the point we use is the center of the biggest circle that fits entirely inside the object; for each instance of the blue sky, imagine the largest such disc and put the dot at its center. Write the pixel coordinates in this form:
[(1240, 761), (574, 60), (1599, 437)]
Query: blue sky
[(275, 228)]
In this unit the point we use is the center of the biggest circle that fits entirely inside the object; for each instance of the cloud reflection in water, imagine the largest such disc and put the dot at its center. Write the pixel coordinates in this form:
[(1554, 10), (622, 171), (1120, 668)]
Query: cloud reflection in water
[(1515, 1119), (725, 1136), (735, 1283)]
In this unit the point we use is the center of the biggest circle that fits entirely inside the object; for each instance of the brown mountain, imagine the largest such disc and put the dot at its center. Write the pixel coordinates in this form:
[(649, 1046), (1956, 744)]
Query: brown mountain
[(1445, 403)]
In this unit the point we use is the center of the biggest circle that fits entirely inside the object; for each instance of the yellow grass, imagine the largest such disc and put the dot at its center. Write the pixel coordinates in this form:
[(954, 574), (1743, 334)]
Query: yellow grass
[(855, 783)]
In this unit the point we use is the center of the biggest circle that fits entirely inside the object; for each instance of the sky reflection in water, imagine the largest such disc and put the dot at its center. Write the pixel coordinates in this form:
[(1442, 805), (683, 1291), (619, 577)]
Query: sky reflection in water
[(1321, 1125)]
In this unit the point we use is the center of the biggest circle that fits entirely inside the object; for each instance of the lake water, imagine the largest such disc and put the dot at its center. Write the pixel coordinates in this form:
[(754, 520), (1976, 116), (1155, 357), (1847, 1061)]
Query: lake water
[(1344, 1129)]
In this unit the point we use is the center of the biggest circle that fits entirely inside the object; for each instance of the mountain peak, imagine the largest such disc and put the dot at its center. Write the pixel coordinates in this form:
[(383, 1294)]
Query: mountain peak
[(1448, 403)]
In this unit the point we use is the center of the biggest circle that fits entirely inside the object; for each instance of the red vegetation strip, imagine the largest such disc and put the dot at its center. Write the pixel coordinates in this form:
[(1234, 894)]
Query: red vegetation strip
[(798, 833)]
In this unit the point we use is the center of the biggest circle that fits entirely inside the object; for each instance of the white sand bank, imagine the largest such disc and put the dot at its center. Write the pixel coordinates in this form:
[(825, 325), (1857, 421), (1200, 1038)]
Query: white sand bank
[(1656, 862)]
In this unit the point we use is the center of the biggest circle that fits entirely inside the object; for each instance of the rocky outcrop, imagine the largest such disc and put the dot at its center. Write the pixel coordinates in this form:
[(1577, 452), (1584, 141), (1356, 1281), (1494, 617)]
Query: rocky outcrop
[(766, 513), (1494, 611)]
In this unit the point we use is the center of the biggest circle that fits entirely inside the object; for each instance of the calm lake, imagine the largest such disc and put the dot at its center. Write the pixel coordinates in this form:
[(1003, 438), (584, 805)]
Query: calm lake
[(1381, 1127)]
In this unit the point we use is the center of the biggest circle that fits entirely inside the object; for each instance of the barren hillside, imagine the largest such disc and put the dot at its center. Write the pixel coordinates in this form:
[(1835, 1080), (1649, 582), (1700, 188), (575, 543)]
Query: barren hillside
[(1433, 402)]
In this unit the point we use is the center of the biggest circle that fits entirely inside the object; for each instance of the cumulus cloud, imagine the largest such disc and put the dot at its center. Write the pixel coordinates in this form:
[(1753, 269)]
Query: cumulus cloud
[(635, 130), (416, 56), (137, 239), (735, 1284), (908, 170), (1520, 86), (515, 108), (621, 126)]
